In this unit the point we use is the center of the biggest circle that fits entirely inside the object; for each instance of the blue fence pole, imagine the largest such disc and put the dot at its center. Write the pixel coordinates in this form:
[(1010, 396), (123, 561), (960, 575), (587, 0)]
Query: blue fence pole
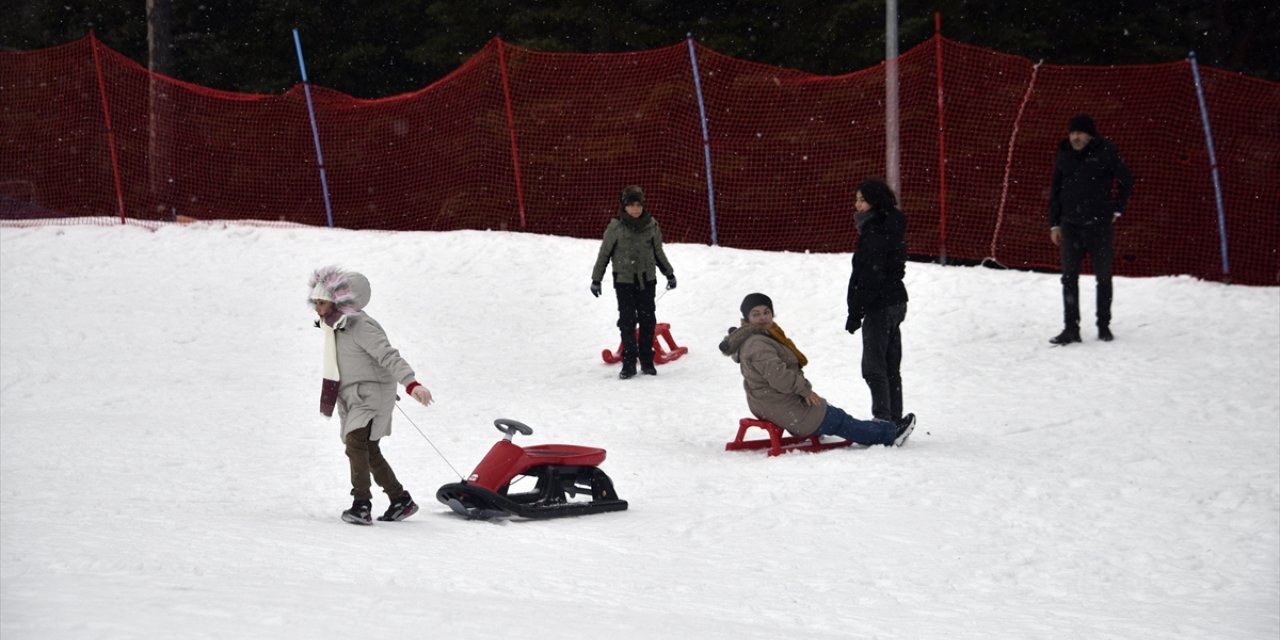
[(1213, 163), (706, 140), (315, 133)]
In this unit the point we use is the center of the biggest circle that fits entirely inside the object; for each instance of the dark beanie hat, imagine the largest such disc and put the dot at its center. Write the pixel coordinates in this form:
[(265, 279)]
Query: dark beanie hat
[(754, 300), (1082, 123), (631, 194)]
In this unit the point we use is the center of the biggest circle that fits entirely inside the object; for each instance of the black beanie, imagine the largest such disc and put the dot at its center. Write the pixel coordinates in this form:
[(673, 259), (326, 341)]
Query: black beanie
[(631, 194), (1082, 123), (754, 300)]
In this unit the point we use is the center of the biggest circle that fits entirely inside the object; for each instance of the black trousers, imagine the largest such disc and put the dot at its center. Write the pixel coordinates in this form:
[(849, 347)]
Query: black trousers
[(636, 307), (1094, 240), (882, 360)]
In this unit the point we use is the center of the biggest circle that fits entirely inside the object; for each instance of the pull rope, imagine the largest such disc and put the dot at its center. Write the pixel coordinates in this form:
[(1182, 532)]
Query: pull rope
[(433, 445)]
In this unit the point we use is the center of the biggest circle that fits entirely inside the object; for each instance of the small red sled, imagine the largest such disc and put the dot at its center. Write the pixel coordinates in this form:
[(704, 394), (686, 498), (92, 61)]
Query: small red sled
[(660, 355), (777, 443)]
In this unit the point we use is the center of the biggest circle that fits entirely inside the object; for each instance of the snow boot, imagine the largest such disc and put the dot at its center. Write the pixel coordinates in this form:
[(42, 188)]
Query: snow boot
[(906, 424), (358, 513), (400, 508), (1104, 334), (648, 369), (628, 370), (1068, 335)]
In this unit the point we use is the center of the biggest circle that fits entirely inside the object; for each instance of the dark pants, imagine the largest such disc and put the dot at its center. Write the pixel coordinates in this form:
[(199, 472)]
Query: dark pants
[(1078, 240), (366, 458), (882, 360), (636, 306)]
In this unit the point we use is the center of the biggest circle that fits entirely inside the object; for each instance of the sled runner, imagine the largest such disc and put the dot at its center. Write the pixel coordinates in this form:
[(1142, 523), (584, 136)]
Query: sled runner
[(778, 444), (660, 355), (562, 472)]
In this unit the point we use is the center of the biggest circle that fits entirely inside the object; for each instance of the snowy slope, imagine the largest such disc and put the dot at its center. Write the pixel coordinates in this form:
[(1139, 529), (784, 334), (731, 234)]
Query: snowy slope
[(164, 471)]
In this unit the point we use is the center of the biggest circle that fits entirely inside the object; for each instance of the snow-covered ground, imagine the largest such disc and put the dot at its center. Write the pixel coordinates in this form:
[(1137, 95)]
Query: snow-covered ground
[(164, 472)]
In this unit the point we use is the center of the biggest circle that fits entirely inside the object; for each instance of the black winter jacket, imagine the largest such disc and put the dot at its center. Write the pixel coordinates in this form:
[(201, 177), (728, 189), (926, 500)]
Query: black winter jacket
[(1081, 193), (879, 263)]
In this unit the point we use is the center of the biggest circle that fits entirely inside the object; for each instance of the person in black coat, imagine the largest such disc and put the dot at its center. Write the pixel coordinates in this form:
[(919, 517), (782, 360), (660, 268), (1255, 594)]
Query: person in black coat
[(1091, 185), (877, 297)]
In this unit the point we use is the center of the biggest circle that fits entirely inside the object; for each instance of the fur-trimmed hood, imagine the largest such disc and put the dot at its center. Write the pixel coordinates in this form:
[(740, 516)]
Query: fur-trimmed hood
[(732, 343), (349, 291)]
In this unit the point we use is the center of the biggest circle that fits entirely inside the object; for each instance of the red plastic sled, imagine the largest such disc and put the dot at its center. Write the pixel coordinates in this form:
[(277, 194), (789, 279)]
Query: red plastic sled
[(778, 444), (560, 469), (660, 355)]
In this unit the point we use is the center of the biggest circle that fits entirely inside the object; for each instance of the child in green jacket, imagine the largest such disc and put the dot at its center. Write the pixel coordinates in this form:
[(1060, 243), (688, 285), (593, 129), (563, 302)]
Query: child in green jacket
[(633, 243)]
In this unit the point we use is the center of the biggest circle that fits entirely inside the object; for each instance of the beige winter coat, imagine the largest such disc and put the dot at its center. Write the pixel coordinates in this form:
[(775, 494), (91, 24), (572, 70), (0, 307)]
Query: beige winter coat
[(370, 368), (775, 384)]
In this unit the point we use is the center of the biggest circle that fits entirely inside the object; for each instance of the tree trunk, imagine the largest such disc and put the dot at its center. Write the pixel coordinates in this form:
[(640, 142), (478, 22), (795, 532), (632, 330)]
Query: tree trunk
[(159, 61)]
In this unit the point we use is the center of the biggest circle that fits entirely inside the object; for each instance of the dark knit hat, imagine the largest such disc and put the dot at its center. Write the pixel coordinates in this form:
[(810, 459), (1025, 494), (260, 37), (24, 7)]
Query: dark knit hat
[(631, 194), (1082, 123), (754, 300)]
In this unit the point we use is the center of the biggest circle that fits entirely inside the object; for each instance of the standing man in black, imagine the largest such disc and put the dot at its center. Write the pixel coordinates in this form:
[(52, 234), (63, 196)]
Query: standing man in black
[(1091, 185)]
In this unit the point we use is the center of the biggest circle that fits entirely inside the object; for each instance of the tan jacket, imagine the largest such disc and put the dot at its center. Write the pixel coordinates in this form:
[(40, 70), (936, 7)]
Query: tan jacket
[(775, 384)]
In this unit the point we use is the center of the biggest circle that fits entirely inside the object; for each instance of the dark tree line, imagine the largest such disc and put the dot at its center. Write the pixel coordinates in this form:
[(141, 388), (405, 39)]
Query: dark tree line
[(376, 48)]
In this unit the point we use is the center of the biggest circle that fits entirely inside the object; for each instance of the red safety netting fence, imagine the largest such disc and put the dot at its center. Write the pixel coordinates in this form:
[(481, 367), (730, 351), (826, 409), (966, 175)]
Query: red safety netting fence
[(543, 142)]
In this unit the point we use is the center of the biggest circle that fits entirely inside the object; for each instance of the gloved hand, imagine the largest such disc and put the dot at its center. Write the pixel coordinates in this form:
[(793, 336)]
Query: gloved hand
[(671, 282), (419, 393), (595, 288), (852, 324), (724, 344)]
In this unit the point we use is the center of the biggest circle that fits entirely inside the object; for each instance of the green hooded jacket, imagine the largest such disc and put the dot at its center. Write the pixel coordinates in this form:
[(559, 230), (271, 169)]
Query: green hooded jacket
[(635, 249)]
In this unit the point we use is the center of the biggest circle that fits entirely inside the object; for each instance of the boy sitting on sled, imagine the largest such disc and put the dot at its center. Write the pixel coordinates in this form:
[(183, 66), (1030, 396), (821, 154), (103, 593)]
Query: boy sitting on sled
[(777, 390)]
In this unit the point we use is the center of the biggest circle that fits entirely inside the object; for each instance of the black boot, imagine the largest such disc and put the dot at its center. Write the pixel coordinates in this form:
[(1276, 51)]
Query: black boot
[(358, 513), (906, 424), (1104, 333), (628, 370), (400, 508), (648, 369), (1068, 335)]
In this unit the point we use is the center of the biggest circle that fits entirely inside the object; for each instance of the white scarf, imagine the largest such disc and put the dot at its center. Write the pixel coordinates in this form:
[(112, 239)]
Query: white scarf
[(329, 386)]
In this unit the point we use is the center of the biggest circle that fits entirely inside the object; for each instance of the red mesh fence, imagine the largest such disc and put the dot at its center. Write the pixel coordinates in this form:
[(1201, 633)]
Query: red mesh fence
[(543, 142)]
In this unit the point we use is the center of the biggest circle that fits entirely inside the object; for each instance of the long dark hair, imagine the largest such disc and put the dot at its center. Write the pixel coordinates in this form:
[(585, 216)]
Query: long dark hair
[(878, 195)]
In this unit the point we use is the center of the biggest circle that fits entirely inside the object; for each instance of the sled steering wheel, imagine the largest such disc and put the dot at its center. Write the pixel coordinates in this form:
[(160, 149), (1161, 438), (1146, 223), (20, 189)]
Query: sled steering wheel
[(511, 427)]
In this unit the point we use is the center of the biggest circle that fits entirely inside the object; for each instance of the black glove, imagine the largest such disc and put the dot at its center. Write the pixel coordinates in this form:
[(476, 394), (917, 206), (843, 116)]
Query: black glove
[(595, 288), (671, 282), (853, 324), (724, 344)]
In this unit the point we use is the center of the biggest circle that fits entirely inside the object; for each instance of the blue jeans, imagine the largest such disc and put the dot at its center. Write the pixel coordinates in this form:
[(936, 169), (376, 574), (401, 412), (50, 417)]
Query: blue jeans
[(839, 423)]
